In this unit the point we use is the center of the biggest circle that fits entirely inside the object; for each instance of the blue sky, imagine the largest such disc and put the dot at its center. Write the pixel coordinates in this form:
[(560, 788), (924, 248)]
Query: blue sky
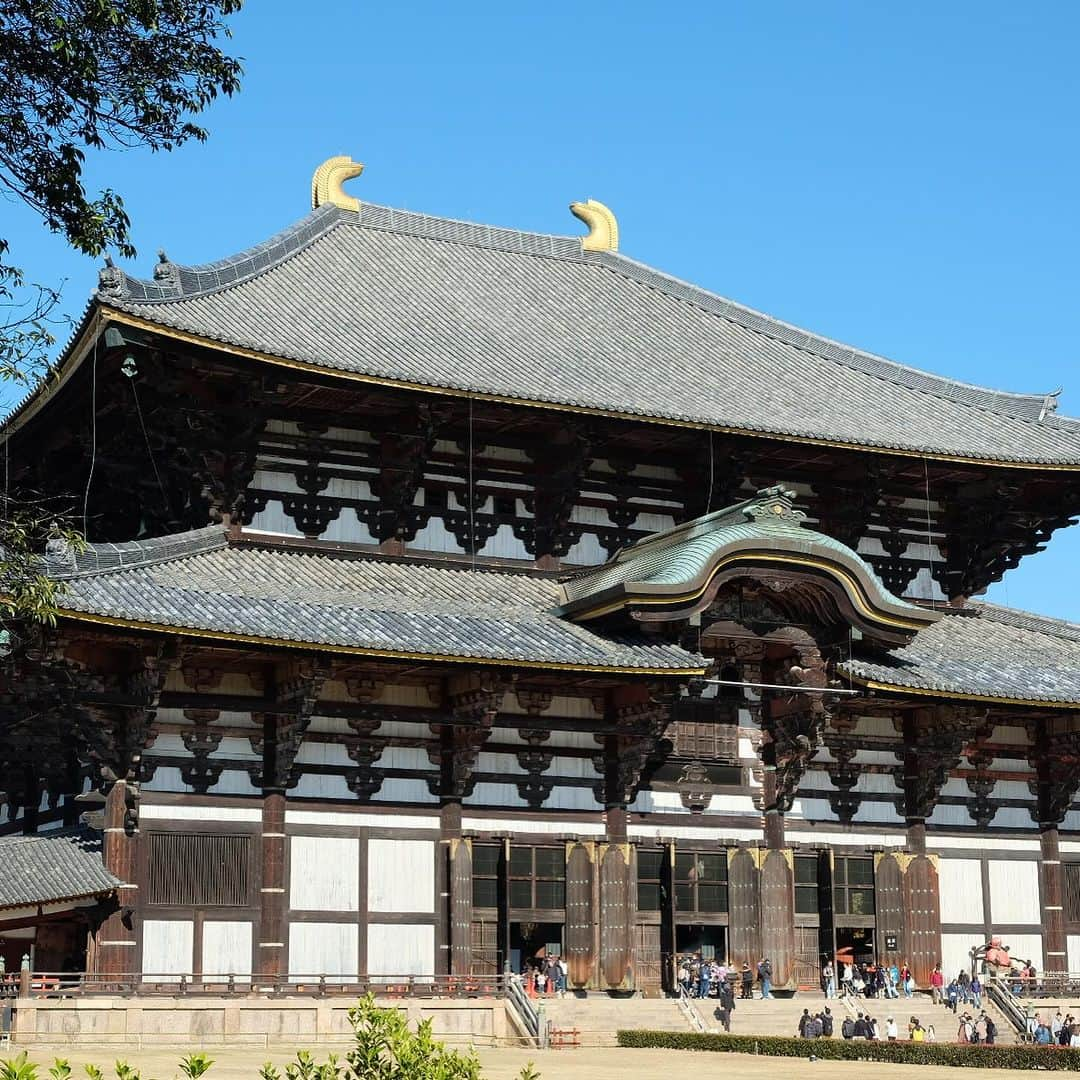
[(901, 177)]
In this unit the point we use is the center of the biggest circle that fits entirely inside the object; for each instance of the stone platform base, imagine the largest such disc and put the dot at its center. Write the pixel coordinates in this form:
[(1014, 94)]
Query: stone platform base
[(196, 1022)]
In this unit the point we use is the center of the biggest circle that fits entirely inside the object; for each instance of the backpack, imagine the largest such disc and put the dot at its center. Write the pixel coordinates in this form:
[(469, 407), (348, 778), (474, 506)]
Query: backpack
[(847, 1028)]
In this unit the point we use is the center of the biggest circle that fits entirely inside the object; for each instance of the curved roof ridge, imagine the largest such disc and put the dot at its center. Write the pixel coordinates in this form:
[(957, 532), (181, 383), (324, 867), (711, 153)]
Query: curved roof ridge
[(175, 281), (1031, 405), (103, 558)]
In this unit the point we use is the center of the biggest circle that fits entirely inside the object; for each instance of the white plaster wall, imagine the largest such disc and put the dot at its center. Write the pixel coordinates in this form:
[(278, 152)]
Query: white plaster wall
[(323, 949), (324, 873), (401, 875), (226, 948), (322, 786), (1014, 892), (956, 952), (1025, 947), (1072, 945), (401, 949), (960, 884), (168, 946), (395, 790)]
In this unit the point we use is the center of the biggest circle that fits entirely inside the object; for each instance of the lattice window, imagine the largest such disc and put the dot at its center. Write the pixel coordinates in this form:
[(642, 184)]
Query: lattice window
[(485, 869), (706, 741), (650, 873), (806, 885), (701, 881), (853, 886), (485, 948), (1072, 892), (198, 870), (537, 877)]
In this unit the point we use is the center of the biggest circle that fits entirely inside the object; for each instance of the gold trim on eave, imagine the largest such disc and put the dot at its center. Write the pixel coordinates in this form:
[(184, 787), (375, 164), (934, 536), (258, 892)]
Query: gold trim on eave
[(361, 650), (854, 589), (311, 368), (952, 695)]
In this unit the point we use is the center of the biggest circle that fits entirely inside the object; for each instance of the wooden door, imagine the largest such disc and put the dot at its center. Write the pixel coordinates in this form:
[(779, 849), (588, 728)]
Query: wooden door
[(889, 909), (807, 961), (777, 890), (648, 960), (485, 948), (461, 907), (744, 939), (616, 913), (580, 932), (921, 899)]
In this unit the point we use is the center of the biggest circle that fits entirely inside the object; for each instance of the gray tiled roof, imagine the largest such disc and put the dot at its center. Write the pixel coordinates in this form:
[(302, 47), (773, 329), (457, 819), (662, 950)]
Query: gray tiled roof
[(427, 301), (987, 651), (198, 581), (51, 867)]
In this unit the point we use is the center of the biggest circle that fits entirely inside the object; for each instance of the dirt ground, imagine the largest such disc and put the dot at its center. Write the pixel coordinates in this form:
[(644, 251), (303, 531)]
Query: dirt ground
[(585, 1063)]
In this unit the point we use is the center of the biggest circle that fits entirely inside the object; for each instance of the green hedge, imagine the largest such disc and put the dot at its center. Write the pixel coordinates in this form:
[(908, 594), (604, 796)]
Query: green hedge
[(1052, 1058)]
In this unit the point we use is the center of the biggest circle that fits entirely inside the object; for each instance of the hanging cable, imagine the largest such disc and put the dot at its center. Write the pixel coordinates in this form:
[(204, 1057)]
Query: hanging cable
[(93, 440), (929, 548), (149, 451), (472, 491), (712, 473)]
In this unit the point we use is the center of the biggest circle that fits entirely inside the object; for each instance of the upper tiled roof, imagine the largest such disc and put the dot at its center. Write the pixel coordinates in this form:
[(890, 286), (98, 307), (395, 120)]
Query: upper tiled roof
[(52, 867), (425, 301), (198, 582), (986, 651)]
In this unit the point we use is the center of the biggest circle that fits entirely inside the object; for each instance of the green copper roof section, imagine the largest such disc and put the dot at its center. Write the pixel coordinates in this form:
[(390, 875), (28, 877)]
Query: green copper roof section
[(678, 565)]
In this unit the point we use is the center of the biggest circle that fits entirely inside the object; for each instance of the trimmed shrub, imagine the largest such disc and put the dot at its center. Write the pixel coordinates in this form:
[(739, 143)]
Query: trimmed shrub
[(1049, 1058)]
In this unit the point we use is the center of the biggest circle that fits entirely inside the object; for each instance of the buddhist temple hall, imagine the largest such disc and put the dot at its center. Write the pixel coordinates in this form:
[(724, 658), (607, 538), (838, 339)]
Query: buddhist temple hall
[(455, 596)]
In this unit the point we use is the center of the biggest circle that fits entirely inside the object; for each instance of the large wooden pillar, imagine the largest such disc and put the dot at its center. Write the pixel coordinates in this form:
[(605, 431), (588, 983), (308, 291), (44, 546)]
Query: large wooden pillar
[(456, 945), (115, 952), (1055, 757), (933, 741), (1052, 892), (637, 720), (271, 956)]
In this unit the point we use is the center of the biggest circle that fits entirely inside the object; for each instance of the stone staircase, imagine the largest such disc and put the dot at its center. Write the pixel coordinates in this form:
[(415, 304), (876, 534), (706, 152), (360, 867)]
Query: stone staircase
[(921, 1004), (599, 1016), (777, 1016)]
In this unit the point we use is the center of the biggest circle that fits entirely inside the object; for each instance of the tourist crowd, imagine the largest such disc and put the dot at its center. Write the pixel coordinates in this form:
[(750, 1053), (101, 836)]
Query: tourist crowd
[(700, 978)]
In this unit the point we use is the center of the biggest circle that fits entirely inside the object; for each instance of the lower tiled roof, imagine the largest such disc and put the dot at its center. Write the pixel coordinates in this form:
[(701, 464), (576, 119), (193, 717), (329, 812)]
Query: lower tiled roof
[(199, 582), (52, 867), (986, 651)]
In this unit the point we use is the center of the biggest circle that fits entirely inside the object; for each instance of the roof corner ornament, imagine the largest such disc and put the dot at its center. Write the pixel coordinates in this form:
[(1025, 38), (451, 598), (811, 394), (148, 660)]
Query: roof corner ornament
[(603, 228), (327, 181), (111, 279), (1050, 403), (774, 505)]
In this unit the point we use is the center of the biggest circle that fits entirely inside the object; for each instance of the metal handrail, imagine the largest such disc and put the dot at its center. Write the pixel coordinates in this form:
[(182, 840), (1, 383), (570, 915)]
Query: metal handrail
[(1000, 993), (529, 1013), (688, 1010), (44, 984)]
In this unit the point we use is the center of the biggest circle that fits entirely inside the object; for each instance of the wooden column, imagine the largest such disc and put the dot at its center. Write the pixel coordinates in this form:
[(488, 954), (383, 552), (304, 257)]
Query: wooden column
[(455, 922), (1052, 891), (1055, 756), (116, 952), (272, 958)]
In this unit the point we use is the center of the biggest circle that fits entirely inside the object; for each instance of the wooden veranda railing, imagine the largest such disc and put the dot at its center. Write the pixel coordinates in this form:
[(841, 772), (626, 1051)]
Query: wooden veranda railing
[(59, 984)]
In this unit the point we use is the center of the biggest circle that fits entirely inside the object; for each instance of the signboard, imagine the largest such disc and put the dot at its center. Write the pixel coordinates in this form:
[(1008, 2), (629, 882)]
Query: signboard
[(892, 943)]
